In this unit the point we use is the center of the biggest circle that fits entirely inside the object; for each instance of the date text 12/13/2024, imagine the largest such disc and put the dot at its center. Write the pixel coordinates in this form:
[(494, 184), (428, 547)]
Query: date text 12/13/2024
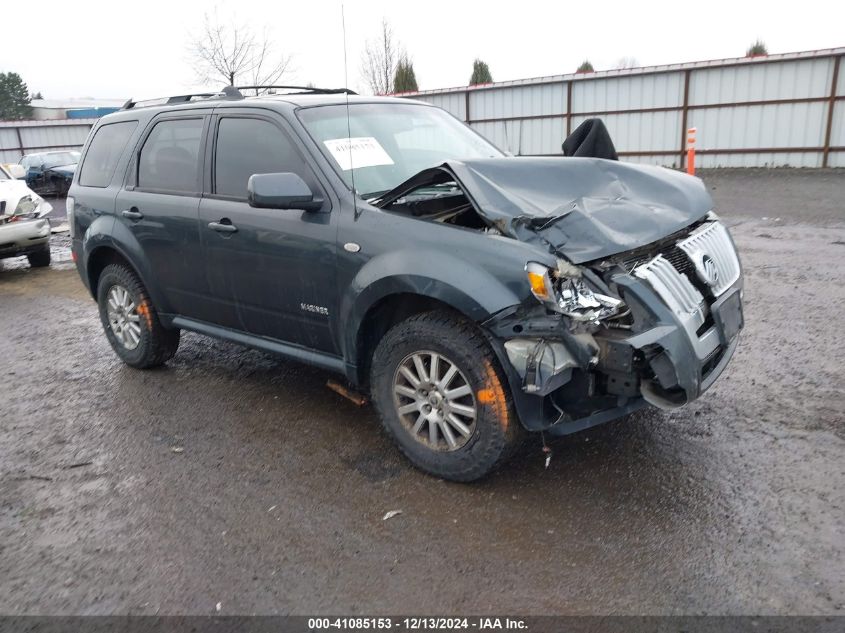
[(417, 624)]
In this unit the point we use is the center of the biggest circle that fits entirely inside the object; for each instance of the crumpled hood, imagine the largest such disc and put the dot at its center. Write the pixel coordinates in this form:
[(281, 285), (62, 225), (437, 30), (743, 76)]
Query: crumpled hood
[(587, 208)]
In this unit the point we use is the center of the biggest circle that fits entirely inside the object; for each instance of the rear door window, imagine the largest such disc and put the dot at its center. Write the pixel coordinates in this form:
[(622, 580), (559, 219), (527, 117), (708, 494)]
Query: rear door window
[(252, 146), (103, 153), (169, 159)]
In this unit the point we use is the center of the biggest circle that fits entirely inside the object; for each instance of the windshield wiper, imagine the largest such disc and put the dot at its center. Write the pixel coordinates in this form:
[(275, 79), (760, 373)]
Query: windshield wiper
[(439, 186), (375, 195)]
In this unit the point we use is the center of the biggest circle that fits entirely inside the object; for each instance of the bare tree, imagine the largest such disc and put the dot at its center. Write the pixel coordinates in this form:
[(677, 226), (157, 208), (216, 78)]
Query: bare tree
[(627, 62), (227, 50), (378, 62)]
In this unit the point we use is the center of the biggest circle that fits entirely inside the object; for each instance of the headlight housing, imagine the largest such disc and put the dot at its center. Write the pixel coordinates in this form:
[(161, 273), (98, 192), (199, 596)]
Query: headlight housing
[(26, 206), (564, 290)]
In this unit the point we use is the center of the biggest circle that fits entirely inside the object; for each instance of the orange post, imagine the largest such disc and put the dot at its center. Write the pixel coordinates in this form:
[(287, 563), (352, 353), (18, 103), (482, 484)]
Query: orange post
[(691, 151)]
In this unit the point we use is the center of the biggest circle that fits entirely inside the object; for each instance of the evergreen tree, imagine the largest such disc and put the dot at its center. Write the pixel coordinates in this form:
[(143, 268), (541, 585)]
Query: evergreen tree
[(585, 67), (405, 80), (14, 97), (756, 49), (480, 73)]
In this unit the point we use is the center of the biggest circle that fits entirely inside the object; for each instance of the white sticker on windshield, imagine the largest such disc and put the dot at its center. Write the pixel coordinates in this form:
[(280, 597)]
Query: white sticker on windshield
[(363, 151)]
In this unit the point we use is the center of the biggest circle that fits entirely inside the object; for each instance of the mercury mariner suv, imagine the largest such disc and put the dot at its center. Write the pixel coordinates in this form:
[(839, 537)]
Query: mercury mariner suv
[(473, 295)]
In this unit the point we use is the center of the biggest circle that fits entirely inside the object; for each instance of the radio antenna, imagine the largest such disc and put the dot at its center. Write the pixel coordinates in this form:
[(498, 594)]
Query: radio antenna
[(348, 122)]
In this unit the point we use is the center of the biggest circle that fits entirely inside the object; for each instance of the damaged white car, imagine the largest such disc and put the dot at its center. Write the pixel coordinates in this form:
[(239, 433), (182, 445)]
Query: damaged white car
[(24, 227)]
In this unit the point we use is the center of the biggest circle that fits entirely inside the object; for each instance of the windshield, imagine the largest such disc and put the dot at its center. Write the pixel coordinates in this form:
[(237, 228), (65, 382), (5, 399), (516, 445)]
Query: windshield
[(3, 175), (387, 143), (60, 158)]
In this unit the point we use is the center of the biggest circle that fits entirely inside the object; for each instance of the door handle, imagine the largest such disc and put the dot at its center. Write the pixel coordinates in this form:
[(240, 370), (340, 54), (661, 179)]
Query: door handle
[(132, 214), (224, 226)]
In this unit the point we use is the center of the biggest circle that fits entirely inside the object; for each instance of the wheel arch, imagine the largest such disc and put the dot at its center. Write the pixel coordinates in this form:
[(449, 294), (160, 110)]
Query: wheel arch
[(393, 299), (107, 252), (382, 315), (107, 240), (100, 257)]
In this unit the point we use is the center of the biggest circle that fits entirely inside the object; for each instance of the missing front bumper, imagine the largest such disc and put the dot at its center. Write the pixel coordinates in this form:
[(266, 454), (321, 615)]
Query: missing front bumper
[(563, 382)]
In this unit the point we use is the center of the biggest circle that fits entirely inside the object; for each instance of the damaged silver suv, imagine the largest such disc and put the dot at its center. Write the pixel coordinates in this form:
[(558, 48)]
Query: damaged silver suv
[(474, 296)]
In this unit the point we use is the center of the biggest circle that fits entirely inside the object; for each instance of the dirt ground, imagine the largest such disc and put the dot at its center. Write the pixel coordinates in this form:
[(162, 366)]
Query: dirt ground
[(233, 477)]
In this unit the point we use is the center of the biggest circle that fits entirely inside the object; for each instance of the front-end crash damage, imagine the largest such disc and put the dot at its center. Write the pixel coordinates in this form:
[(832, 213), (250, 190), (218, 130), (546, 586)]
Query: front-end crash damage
[(657, 325), (644, 305)]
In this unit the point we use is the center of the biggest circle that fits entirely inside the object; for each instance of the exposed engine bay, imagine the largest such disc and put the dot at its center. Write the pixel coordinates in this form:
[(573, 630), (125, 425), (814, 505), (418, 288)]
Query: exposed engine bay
[(441, 200)]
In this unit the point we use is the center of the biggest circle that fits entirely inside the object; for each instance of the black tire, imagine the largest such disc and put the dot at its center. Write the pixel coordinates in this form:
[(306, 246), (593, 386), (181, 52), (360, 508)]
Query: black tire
[(497, 431), (156, 344), (41, 258)]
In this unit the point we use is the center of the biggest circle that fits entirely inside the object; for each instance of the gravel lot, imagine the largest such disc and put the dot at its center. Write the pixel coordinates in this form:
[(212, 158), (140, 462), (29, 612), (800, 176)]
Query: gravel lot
[(234, 477)]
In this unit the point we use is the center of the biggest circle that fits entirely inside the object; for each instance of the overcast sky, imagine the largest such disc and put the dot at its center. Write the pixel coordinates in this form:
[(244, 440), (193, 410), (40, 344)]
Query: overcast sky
[(113, 49)]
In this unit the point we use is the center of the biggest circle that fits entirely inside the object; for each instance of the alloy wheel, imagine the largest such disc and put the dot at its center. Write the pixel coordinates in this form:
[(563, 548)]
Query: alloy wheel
[(435, 401), (124, 319)]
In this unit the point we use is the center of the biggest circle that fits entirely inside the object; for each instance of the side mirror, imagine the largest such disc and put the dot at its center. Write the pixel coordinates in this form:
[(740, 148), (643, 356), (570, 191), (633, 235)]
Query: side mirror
[(284, 190)]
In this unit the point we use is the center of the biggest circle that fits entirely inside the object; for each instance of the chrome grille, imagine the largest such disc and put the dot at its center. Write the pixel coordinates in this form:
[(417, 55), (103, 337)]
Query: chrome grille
[(673, 287), (712, 241)]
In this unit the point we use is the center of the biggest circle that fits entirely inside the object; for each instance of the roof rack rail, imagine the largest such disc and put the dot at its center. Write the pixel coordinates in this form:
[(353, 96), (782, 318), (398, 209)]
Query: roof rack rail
[(303, 89), (231, 92), (228, 92)]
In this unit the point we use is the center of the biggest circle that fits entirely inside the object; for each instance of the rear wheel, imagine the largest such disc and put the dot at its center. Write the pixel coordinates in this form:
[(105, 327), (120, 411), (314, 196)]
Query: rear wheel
[(442, 397), (41, 258), (130, 320)]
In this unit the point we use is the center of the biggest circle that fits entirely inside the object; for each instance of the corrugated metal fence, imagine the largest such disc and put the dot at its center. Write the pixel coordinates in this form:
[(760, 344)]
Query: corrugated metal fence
[(776, 110), (25, 137)]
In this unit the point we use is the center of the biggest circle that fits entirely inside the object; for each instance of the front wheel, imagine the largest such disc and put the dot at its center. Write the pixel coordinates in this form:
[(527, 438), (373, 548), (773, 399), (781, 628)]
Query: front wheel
[(130, 320), (442, 397)]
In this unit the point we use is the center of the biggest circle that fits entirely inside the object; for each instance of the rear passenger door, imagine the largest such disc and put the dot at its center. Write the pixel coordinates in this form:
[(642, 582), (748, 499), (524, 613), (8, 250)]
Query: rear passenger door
[(274, 275), (160, 207)]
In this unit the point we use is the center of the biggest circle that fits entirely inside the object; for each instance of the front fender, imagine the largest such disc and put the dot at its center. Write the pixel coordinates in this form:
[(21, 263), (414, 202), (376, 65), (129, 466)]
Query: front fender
[(107, 232), (468, 289)]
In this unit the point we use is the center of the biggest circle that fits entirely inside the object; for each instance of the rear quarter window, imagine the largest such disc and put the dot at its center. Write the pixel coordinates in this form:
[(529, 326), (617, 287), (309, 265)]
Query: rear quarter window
[(103, 153)]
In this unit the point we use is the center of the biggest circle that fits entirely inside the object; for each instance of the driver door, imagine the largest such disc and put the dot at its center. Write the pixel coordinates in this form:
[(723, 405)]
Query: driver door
[(271, 271)]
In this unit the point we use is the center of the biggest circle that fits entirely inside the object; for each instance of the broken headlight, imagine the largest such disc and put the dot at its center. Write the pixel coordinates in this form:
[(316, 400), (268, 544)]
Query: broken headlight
[(26, 206), (564, 290)]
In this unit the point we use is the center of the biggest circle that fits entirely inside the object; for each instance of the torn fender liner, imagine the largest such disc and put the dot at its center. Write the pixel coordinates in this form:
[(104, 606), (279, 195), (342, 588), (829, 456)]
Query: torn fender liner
[(585, 208)]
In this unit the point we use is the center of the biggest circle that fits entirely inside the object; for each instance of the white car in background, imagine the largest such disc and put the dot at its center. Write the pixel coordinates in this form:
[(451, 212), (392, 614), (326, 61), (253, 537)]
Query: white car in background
[(24, 229)]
